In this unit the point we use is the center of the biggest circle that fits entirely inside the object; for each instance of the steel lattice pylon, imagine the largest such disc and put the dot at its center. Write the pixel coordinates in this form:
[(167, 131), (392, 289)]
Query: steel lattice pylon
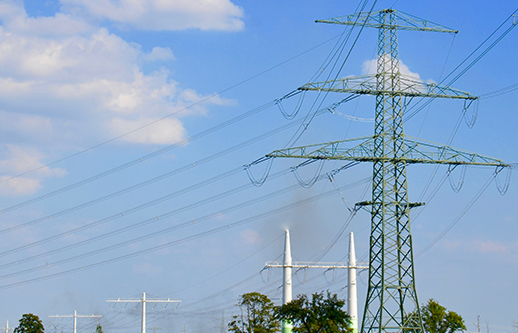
[(391, 294)]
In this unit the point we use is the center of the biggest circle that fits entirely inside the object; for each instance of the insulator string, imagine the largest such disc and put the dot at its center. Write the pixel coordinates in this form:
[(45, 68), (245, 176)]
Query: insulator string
[(298, 106), (456, 187), (474, 114), (313, 180), (259, 182), (502, 188)]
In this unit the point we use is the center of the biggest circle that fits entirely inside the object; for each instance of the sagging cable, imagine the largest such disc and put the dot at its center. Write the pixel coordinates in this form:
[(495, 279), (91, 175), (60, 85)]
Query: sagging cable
[(312, 181), (502, 188), (305, 270), (298, 106), (267, 281), (333, 109), (331, 176), (331, 179), (348, 117), (259, 182), (332, 173), (456, 187), (333, 275), (474, 114)]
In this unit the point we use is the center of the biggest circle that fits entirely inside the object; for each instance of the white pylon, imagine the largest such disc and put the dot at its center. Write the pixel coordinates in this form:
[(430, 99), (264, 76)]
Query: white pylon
[(143, 300), (75, 316), (352, 266), (352, 307), (7, 329), (287, 285)]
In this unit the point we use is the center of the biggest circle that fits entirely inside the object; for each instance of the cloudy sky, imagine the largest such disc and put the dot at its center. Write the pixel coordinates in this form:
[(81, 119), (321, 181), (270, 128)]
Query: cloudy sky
[(125, 126)]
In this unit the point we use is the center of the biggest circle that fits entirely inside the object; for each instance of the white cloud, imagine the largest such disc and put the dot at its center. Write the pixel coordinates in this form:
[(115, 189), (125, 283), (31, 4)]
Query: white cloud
[(22, 159), (490, 246), (147, 268), (159, 53), (15, 19), (17, 160), (250, 236), (18, 186), (486, 246), (166, 15), (99, 55), (64, 80), (370, 67), (99, 71), (166, 131)]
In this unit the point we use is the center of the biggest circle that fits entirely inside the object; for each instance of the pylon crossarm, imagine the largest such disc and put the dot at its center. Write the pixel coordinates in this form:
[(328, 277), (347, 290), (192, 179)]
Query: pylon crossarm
[(408, 86), (325, 265), (329, 150), (374, 20), (420, 151), (416, 151)]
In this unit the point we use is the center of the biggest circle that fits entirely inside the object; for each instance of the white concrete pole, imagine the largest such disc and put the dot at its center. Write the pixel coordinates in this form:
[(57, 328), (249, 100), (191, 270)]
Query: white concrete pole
[(288, 264), (143, 312), (287, 286), (75, 321), (352, 297)]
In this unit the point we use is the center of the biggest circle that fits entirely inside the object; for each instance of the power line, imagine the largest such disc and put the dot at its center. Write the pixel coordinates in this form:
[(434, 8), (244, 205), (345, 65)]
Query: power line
[(144, 301), (182, 240), (189, 222), (75, 316), (174, 113), (142, 158), (309, 119), (230, 267), (470, 65), (139, 207), (457, 219), (163, 176), (499, 92)]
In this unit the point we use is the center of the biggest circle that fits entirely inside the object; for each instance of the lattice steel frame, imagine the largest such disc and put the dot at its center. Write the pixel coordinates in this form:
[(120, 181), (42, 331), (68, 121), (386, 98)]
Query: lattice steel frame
[(391, 294)]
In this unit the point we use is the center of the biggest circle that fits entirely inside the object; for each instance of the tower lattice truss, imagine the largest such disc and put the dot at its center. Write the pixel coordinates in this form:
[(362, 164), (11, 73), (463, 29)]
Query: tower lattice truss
[(391, 295)]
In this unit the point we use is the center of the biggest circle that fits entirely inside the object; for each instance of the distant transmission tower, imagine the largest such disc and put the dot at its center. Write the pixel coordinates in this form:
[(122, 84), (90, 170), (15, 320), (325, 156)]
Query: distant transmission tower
[(7, 329), (144, 301), (391, 294), (75, 316)]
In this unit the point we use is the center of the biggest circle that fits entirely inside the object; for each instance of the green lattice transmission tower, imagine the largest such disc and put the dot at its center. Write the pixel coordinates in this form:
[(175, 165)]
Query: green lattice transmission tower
[(391, 294)]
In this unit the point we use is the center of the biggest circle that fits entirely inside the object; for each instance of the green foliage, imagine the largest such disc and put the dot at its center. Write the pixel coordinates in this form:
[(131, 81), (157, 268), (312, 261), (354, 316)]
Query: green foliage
[(436, 319), (99, 329), (257, 315), (29, 323), (317, 315)]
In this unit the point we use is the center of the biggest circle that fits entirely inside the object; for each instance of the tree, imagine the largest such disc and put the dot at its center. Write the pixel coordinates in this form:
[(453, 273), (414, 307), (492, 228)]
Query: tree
[(29, 323), (257, 315), (436, 319), (99, 329), (317, 315)]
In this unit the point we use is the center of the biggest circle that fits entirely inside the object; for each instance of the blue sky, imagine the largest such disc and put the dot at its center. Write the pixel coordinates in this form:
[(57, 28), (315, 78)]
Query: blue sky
[(75, 74)]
